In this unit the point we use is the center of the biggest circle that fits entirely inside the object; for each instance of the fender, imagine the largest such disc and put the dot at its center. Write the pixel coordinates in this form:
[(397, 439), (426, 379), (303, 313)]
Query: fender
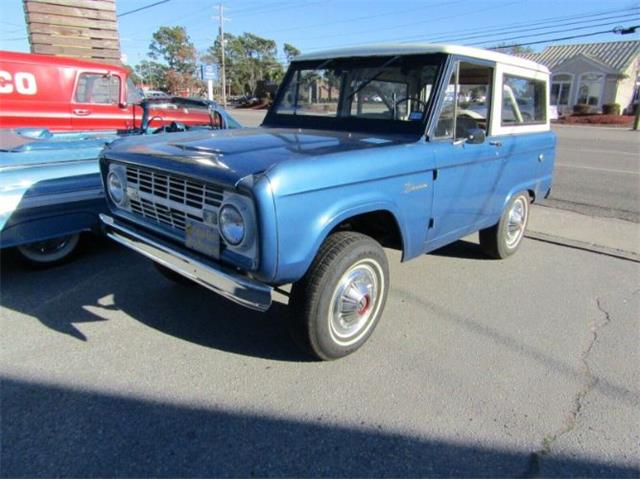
[(529, 186), (295, 255)]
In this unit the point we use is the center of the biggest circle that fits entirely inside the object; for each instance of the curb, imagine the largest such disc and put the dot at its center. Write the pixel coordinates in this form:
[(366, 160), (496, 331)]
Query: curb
[(589, 247)]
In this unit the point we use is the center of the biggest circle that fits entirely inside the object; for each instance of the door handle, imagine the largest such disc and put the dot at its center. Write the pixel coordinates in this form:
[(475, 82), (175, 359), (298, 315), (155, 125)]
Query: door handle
[(495, 143), (81, 112)]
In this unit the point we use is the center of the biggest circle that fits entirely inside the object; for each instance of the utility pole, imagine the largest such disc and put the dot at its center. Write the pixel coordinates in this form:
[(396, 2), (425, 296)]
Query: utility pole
[(222, 19)]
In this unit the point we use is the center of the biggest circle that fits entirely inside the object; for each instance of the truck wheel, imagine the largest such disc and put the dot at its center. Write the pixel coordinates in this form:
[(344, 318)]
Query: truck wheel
[(503, 239), (49, 252), (337, 304), (171, 275)]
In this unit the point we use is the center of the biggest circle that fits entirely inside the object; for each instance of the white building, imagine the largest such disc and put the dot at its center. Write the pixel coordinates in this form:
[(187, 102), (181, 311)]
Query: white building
[(595, 74)]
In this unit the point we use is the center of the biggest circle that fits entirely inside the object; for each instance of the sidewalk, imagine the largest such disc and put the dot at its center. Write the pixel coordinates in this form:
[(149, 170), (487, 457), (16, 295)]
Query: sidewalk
[(603, 235)]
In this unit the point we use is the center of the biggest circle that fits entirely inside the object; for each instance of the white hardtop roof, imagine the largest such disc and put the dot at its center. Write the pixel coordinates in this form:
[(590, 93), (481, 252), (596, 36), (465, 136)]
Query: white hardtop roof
[(387, 49)]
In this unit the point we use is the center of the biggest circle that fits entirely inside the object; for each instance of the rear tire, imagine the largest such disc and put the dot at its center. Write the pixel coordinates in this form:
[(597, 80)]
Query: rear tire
[(49, 252), (336, 306), (504, 238)]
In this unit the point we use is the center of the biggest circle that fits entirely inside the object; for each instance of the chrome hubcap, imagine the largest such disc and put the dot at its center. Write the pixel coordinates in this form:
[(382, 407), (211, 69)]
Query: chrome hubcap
[(355, 302), (517, 222)]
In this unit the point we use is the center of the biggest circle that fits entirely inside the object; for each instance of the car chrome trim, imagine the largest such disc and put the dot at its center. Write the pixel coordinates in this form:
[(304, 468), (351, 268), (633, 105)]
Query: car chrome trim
[(231, 285)]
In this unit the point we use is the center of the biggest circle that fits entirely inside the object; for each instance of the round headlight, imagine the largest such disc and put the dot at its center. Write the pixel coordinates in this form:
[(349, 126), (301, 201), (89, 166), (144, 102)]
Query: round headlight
[(115, 188), (232, 225)]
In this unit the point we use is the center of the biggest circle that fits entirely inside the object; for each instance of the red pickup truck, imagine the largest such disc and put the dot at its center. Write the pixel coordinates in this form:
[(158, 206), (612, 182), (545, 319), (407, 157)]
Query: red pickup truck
[(64, 94)]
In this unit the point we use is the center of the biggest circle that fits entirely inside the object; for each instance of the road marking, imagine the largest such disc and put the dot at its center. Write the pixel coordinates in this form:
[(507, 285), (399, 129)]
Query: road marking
[(609, 170), (615, 152)]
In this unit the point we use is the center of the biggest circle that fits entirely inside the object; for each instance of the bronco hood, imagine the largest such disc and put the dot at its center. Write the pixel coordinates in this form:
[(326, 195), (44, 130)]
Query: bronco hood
[(230, 155)]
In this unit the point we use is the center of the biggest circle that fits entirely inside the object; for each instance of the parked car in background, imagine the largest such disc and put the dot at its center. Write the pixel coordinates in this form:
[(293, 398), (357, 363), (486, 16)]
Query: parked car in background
[(313, 196), (66, 94), (50, 188), (154, 93)]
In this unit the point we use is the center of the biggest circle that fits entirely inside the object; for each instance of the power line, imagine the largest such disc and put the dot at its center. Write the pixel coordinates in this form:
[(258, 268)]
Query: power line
[(485, 33), (494, 32), (271, 8), (509, 39), (142, 8), (551, 32), (483, 9), (395, 27), (354, 19), (634, 27), (264, 9), (423, 38)]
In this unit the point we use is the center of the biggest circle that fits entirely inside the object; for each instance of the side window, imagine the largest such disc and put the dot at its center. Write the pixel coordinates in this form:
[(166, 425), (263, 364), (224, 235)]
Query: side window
[(467, 102), (523, 101), (98, 88)]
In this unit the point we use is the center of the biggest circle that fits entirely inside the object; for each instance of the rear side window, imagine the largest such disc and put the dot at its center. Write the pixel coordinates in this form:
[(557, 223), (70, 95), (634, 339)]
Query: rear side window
[(523, 101), (98, 88)]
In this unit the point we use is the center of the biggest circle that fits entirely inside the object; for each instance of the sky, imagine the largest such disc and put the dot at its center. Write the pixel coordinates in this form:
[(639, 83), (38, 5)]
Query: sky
[(320, 24)]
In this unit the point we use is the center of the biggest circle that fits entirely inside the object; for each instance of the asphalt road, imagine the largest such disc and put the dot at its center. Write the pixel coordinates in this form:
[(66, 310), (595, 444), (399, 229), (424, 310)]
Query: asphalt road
[(597, 172), (526, 367), (597, 169)]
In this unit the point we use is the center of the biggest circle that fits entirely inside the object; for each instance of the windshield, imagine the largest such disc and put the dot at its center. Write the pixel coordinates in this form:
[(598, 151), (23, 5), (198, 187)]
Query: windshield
[(377, 93), (134, 94)]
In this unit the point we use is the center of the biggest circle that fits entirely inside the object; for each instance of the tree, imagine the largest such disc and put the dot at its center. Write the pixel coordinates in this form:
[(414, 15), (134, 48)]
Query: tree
[(135, 78), (290, 51), (173, 46), (248, 58), (515, 50), (152, 73), (175, 61)]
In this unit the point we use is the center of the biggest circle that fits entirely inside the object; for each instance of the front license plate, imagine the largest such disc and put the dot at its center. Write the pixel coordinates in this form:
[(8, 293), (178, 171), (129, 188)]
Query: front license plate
[(203, 238)]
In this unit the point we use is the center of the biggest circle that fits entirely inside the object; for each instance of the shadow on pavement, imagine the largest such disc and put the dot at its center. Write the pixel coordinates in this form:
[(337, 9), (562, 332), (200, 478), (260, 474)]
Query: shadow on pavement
[(461, 249), (52, 431), (108, 277)]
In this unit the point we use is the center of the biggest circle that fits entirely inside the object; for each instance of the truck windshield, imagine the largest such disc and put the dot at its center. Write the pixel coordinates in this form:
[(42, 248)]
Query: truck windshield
[(377, 93)]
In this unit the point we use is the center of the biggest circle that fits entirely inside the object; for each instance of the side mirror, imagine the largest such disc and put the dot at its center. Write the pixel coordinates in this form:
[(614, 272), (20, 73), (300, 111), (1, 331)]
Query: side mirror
[(476, 135)]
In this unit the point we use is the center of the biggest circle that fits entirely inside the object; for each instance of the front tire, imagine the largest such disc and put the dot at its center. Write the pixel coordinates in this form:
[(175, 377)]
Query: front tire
[(49, 252), (503, 239), (336, 306)]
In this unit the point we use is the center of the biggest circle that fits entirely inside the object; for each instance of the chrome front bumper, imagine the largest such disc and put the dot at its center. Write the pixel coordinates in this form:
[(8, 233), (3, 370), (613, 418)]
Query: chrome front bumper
[(238, 288)]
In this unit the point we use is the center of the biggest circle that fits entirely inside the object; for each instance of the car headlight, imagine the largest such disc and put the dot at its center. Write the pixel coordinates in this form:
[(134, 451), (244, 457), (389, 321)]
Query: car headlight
[(232, 225), (116, 188)]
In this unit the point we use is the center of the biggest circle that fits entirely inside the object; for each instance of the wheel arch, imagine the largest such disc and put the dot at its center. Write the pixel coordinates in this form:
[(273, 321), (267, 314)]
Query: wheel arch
[(528, 188), (356, 219)]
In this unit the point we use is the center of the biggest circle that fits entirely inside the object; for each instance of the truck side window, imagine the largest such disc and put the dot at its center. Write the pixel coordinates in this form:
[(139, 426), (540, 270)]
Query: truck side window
[(523, 101), (98, 88), (468, 99)]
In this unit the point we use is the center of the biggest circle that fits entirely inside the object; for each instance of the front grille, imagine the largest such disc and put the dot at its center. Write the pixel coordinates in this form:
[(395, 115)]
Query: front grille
[(170, 199)]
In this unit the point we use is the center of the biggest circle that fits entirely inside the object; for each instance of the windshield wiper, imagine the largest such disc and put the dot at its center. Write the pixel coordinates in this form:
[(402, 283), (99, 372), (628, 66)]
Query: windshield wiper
[(374, 76)]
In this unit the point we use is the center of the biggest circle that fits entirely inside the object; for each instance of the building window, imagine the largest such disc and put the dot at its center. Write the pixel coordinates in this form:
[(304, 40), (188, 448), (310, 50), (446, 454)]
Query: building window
[(561, 89), (590, 89)]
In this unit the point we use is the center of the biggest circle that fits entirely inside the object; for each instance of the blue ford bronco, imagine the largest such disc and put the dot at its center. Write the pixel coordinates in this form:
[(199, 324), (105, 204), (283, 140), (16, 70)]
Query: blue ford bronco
[(409, 147)]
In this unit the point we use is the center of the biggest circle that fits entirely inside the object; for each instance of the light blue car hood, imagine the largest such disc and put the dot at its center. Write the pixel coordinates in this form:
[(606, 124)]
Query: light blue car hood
[(230, 155)]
